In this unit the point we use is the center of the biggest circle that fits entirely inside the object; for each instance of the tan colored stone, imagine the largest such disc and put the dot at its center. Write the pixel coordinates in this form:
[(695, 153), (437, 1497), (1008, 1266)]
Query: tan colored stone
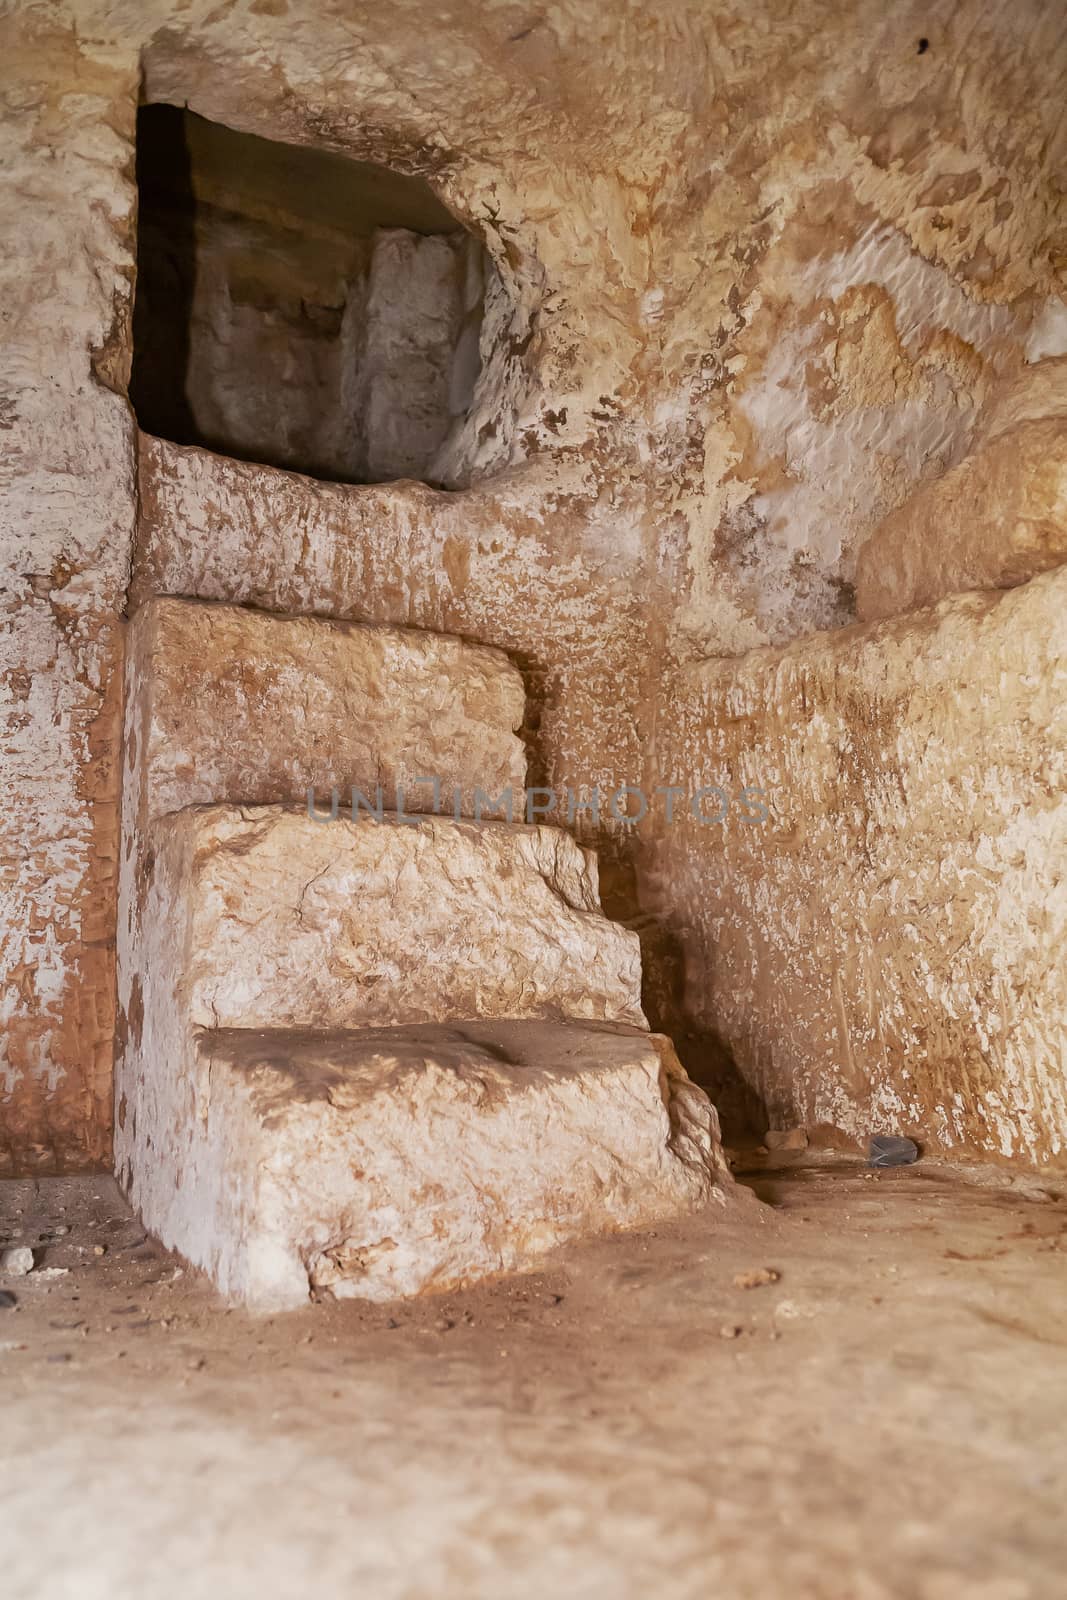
[(1037, 394), (994, 521), (258, 917), (697, 396), (756, 1278), (786, 1138), (420, 1148), (890, 950), (225, 703), (402, 1161), (273, 920)]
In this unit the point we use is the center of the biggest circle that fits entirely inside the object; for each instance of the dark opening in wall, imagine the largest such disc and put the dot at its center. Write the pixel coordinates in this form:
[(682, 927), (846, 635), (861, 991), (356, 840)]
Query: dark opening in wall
[(298, 308)]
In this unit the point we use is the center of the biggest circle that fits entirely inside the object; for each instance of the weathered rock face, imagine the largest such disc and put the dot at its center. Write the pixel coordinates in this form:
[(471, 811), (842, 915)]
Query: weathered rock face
[(415, 377), (283, 1122), (483, 564), (889, 952), (1038, 394), (67, 516), (406, 1160), (750, 292), (998, 518), (224, 703), (292, 1114), (273, 920)]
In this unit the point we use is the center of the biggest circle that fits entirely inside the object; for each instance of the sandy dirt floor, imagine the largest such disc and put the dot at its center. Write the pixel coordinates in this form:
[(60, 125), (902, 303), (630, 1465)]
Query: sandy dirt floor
[(886, 1417)]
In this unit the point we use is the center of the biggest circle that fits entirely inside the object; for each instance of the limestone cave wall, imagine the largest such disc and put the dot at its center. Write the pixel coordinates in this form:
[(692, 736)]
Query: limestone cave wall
[(758, 273)]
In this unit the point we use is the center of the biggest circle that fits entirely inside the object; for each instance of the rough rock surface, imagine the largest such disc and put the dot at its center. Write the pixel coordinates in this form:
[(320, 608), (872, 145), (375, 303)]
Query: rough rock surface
[(888, 954), (1037, 394), (224, 703), (759, 272), (995, 520), (586, 1433), (386, 1161), (16, 1262), (408, 378), (400, 1161), (269, 919)]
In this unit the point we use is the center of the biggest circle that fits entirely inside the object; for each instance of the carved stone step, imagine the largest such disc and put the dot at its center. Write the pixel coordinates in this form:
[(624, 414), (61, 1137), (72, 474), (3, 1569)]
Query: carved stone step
[(224, 703), (257, 916), (394, 1162)]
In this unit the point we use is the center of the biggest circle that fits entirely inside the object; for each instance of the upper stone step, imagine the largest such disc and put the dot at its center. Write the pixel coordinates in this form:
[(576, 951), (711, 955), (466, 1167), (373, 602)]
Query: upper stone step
[(260, 917), (224, 703)]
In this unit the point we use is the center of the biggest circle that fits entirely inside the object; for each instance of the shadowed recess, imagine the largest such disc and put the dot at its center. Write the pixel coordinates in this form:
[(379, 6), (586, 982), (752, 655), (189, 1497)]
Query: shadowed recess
[(298, 308)]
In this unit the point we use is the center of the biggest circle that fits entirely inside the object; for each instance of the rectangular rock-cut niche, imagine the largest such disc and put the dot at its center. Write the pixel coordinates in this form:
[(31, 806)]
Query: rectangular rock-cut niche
[(298, 308)]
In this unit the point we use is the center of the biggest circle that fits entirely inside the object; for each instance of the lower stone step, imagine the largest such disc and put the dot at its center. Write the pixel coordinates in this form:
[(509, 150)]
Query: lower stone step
[(397, 1161)]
